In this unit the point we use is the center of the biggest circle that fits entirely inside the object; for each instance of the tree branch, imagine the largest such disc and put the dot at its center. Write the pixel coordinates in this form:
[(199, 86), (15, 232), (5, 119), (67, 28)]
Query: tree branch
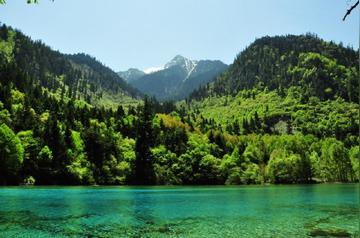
[(350, 10)]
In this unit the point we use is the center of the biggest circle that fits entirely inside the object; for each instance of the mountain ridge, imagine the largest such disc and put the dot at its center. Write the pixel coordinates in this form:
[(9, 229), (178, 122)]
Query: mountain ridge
[(71, 76), (131, 74), (177, 78)]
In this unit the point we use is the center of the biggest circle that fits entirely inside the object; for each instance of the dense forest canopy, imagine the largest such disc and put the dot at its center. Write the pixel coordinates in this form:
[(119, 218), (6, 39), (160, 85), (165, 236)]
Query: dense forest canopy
[(284, 112), (322, 69)]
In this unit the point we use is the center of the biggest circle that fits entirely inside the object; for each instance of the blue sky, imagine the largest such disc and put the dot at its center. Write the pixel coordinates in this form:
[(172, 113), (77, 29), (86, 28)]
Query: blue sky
[(147, 33)]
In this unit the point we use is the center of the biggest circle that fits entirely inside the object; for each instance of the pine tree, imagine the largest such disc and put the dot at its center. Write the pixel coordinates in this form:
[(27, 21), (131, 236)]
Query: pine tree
[(144, 172), (245, 126)]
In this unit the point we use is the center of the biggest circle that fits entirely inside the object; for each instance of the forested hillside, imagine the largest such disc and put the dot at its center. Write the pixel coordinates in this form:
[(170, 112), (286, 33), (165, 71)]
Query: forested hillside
[(75, 77), (293, 124), (322, 69), (293, 100)]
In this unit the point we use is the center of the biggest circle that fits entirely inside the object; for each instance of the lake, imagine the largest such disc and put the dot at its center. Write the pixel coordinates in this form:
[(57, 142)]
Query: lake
[(206, 211)]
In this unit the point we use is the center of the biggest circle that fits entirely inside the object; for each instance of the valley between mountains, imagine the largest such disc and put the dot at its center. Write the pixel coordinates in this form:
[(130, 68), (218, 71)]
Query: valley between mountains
[(176, 80), (285, 111)]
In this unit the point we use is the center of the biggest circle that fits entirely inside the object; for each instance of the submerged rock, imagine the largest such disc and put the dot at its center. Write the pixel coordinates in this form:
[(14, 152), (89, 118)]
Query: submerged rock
[(318, 232)]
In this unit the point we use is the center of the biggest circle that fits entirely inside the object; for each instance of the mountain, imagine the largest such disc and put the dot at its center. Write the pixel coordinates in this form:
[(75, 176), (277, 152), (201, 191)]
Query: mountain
[(178, 78), (186, 64), (292, 103), (76, 77), (131, 74), (322, 69), (286, 111)]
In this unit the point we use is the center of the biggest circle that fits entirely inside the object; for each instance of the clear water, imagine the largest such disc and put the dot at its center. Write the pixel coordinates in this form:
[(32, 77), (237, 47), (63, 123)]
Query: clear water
[(244, 211)]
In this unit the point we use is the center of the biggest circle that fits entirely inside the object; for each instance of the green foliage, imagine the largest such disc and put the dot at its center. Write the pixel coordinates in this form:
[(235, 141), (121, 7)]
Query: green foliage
[(285, 167), (29, 180), (278, 115), (164, 159), (79, 168), (30, 144), (32, 147), (354, 155), (251, 175), (7, 47), (11, 155), (255, 152), (334, 163), (127, 150), (323, 77), (144, 171), (285, 113), (269, 62), (79, 78), (45, 155)]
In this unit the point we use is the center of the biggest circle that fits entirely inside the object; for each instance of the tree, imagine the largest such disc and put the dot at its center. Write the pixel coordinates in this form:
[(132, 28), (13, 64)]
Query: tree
[(254, 152), (335, 164), (230, 168), (144, 171), (11, 155), (163, 162), (32, 148), (251, 174), (286, 167), (354, 155), (103, 150), (79, 170), (323, 77), (55, 141)]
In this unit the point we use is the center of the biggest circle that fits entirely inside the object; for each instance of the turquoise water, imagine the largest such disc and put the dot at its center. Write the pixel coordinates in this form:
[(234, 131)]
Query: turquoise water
[(244, 211)]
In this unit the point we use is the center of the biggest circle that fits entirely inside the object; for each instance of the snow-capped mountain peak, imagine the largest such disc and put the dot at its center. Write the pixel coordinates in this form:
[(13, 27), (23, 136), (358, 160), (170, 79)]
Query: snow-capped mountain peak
[(183, 62), (178, 78)]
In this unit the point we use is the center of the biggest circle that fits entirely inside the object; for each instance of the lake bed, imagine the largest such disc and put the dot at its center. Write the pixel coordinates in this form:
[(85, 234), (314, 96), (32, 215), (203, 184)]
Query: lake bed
[(324, 210)]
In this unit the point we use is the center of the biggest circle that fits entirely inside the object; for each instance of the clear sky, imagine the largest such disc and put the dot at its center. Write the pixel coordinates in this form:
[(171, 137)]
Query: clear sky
[(147, 33)]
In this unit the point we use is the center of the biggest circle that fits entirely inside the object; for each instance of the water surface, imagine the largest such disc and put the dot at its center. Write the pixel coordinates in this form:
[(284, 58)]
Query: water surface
[(242, 211)]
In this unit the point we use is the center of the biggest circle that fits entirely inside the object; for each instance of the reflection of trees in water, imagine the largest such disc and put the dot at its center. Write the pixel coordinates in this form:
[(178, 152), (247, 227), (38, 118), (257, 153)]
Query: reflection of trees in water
[(146, 204), (142, 210), (142, 207)]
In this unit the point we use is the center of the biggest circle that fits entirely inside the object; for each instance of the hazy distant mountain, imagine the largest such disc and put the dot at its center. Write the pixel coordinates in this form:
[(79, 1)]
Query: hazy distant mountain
[(131, 74), (178, 78)]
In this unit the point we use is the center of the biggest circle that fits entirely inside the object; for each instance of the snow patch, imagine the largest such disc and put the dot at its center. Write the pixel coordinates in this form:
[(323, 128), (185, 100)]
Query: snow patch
[(153, 69)]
